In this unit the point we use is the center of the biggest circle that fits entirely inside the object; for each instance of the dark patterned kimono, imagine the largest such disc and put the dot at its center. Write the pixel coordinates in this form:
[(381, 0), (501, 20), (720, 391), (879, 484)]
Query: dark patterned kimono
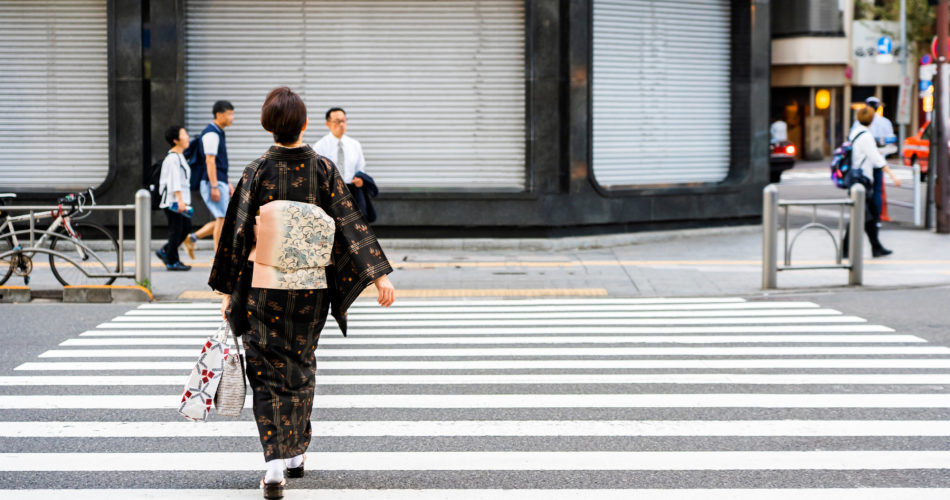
[(280, 328)]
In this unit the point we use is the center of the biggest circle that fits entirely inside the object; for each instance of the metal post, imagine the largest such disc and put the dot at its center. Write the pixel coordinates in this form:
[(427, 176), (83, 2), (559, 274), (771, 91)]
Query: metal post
[(856, 241), (769, 237), (120, 257), (918, 204), (941, 116), (901, 128), (143, 236)]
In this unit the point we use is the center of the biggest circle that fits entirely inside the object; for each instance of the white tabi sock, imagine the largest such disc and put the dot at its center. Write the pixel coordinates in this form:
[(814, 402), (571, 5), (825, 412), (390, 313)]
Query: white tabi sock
[(275, 471), (293, 463)]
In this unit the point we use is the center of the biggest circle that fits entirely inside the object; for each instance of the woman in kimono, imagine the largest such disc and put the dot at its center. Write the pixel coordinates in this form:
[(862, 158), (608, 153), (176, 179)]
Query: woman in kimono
[(315, 255)]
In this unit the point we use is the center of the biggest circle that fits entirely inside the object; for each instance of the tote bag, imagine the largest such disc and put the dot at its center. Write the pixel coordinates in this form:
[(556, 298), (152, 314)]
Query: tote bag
[(199, 392)]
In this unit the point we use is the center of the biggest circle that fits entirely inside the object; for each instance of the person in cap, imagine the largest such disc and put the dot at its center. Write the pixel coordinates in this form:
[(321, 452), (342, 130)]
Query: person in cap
[(881, 128)]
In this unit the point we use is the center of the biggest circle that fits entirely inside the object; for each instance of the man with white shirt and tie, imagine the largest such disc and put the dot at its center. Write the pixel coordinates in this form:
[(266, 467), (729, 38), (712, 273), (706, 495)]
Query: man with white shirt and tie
[(344, 151)]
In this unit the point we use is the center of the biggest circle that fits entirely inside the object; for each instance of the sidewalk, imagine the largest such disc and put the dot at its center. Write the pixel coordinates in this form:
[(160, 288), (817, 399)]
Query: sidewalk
[(720, 261)]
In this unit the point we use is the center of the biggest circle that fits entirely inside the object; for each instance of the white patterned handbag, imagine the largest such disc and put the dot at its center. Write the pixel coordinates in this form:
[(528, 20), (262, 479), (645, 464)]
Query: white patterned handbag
[(203, 382)]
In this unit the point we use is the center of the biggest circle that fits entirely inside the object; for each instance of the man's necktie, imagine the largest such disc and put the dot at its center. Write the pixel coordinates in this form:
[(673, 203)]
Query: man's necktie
[(340, 157)]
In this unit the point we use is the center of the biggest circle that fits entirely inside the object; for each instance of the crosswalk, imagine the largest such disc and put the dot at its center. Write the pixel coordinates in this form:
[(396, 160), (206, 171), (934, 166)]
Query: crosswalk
[(690, 398)]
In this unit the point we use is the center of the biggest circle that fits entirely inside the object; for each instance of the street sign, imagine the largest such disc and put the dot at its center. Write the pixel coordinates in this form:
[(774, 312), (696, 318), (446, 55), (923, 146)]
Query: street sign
[(927, 72), (926, 88), (933, 47), (884, 45), (904, 100), (926, 59)]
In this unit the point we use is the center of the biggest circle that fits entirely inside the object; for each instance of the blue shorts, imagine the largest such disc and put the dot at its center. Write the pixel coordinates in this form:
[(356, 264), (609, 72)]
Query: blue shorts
[(218, 208)]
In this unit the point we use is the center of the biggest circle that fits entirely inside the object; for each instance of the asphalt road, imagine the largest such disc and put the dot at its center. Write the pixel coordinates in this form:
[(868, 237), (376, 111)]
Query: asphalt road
[(32, 334)]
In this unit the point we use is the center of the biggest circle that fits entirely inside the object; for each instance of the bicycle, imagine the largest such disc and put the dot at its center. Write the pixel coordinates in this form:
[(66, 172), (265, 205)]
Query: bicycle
[(67, 243)]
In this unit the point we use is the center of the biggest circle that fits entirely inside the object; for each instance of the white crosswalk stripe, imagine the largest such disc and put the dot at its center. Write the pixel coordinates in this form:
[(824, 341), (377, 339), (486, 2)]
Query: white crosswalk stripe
[(747, 395)]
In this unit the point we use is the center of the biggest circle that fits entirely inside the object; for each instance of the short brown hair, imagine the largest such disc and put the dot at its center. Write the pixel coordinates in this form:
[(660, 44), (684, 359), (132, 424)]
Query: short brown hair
[(283, 114), (866, 115)]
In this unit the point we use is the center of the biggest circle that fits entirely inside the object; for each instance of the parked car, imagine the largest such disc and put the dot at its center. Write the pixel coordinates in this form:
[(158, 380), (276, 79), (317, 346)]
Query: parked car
[(917, 148), (781, 159)]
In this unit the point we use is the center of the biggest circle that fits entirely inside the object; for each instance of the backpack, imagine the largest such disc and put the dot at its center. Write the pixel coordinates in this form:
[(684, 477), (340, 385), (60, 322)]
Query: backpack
[(154, 183), (154, 180), (843, 173), (194, 155)]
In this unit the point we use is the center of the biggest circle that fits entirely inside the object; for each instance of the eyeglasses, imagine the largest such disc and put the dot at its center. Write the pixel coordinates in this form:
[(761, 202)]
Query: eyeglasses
[(338, 122)]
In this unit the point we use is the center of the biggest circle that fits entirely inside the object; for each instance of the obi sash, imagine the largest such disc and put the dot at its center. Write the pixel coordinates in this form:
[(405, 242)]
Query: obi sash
[(294, 244)]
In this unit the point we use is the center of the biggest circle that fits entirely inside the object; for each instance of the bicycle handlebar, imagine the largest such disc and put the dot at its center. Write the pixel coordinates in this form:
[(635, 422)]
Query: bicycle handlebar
[(77, 201)]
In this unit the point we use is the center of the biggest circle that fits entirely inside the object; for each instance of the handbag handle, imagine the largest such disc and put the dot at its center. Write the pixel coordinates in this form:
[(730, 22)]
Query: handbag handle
[(221, 335)]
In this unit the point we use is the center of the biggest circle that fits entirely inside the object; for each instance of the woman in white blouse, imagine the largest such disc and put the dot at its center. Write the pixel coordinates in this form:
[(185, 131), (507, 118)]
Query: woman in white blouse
[(865, 156)]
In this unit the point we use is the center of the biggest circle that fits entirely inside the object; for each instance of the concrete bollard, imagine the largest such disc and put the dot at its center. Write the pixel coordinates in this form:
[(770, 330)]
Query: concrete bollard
[(769, 237), (856, 241), (143, 236)]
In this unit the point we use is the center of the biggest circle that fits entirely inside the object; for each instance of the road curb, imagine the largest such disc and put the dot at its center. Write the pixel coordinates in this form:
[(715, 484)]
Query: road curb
[(14, 294), (106, 294)]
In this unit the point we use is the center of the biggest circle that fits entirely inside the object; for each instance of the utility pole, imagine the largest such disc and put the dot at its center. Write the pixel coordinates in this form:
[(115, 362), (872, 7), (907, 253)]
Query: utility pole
[(902, 128), (942, 115)]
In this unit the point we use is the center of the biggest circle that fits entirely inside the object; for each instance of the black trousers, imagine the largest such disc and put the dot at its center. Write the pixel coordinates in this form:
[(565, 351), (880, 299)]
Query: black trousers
[(872, 215), (179, 227)]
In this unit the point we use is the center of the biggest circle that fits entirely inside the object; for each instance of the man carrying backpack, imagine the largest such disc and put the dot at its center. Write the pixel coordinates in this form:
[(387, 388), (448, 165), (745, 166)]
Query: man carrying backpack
[(209, 159), (866, 158), (175, 197)]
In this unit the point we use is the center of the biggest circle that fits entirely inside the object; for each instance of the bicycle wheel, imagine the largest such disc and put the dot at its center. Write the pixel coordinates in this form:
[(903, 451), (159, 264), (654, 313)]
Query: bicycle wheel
[(103, 259)]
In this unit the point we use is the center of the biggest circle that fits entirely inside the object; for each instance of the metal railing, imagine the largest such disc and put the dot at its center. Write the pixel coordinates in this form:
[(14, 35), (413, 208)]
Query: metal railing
[(143, 235), (917, 205), (770, 209)]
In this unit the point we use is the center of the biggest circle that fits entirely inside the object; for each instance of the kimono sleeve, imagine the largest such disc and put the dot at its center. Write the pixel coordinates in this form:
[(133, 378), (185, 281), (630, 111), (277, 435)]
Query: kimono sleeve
[(237, 235), (357, 257)]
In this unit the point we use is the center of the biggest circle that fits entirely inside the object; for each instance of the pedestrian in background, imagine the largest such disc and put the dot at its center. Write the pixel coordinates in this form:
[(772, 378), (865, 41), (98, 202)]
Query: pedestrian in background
[(280, 311), (211, 165), (881, 128), (778, 131), (347, 154), (865, 156), (173, 184)]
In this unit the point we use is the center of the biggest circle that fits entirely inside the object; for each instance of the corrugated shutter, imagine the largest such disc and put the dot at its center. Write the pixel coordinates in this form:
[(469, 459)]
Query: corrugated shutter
[(54, 109), (433, 89), (661, 78)]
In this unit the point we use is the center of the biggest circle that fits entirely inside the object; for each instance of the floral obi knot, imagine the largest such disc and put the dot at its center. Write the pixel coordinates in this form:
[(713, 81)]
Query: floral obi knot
[(294, 243)]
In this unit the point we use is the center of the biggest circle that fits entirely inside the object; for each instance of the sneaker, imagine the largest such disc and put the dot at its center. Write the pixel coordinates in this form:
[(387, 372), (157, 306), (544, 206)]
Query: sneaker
[(190, 245), (178, 266), (161, 255)]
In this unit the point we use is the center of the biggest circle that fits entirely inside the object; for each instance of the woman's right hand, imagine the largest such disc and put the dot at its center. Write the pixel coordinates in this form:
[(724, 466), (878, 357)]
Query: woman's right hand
[(225, 304), (385, 290)]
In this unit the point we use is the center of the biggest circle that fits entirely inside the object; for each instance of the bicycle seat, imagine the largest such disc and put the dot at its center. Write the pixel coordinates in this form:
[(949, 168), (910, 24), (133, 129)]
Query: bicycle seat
[(7, 195)]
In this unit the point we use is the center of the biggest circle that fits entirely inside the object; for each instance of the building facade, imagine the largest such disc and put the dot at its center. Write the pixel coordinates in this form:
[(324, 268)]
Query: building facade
[(537, 116), (824, 65)]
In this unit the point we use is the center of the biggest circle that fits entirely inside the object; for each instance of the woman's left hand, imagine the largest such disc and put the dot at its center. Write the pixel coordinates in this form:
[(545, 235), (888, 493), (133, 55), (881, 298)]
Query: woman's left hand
[(386, 291), (225, 304)]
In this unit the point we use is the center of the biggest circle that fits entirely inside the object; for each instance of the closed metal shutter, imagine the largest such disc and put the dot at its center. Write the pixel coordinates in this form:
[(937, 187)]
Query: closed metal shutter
[(661, 78), (54, 109), (433, 89)]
